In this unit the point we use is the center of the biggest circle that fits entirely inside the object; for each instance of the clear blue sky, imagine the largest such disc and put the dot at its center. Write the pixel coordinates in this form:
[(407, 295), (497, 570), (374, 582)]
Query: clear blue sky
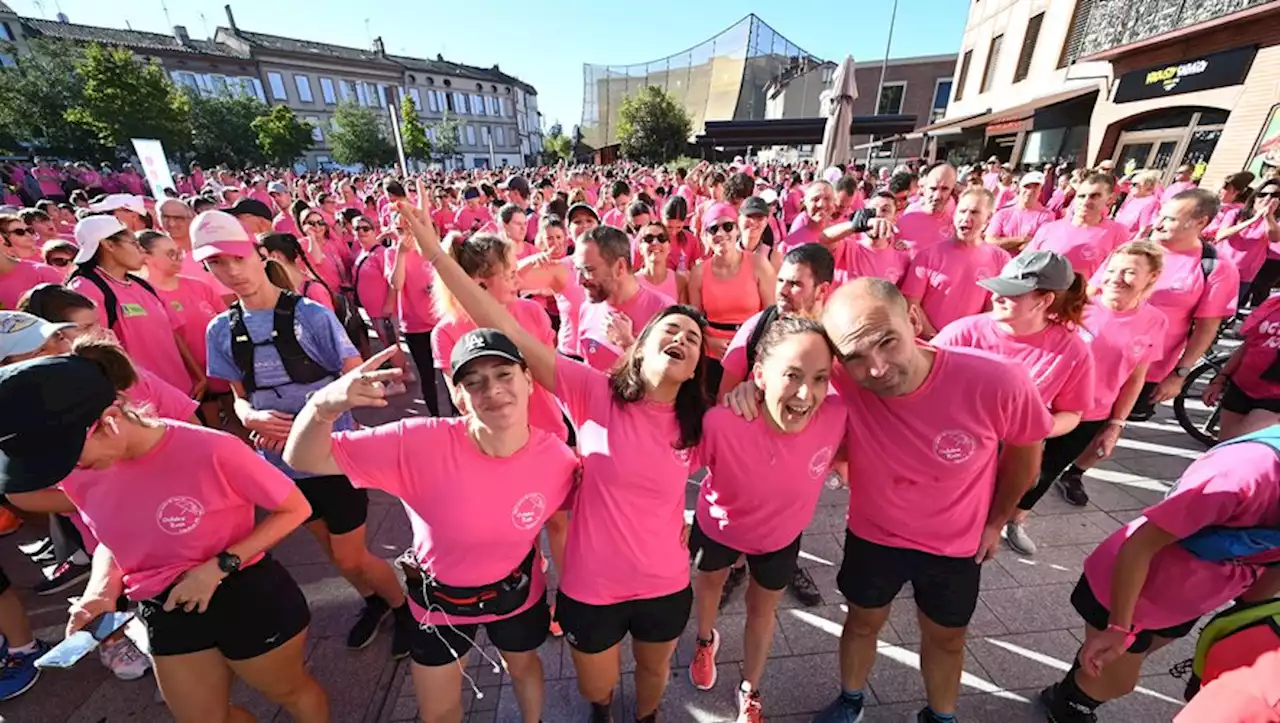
[(544, 42)]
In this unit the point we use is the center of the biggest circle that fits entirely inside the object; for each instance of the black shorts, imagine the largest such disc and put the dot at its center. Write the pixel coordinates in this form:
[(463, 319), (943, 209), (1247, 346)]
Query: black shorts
[(5, 584), (1097, 616), (596, 628), (946, 588), (1234, 400), (253, 612), (430, 645), (771, 571), (335, 502)]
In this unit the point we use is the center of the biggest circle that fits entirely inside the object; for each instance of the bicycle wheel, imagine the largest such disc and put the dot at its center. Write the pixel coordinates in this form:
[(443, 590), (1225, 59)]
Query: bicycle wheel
[(1197, 419)]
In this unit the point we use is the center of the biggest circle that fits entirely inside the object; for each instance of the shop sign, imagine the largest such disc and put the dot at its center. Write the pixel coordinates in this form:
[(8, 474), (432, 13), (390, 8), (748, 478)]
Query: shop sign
[(1007, 127), (1186, 76)]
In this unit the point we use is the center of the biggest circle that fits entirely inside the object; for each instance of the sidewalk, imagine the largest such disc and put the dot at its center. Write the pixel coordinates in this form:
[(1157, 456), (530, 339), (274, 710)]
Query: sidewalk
[(1024, 633)]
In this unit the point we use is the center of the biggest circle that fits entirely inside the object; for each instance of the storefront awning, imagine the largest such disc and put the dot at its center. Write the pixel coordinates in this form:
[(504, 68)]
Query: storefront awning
[(948, 126), (1012, 116)]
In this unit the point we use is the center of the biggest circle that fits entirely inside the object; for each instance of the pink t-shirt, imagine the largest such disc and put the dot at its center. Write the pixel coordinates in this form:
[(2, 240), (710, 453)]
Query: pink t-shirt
[(763, 485), (195, 304), (803, 231), (145, 326), (544, 414), (593, 324), (945, 279), (165, 400), (1119, 343), (1005, 195), (856, 258), (1183, 295), (1246, 248), (569, 303), (1084, 246), (667, 288), (50, 181), (371, 285), (1056, 357), (934, 492), (735, 355), (467, 219), (284, 223), (628, 517), (922, 230), (161, 515), (1261, 348), (25, 276), (414, 305), (193, 269), (1137, 213), (1233, 486), (474, 517), (1227, 213), (1014, 222), (1175, 188), (615, 218)]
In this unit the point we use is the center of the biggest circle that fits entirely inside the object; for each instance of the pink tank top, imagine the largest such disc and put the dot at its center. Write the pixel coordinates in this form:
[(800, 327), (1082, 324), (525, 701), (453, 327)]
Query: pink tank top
[(668, 285), (730, 302)]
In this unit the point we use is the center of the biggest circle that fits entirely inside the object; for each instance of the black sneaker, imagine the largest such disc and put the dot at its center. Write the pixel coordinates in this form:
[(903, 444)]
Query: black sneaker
[(600, 713), (737, 576), (1142, 412), (62, 577), (401, 631), (366, 628), (926, 715), (804, 588), (1061, 711), (1072, 488)]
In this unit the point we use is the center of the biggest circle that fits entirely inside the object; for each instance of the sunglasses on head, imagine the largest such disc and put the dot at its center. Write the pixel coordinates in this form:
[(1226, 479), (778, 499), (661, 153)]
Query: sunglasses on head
[(726, 226)]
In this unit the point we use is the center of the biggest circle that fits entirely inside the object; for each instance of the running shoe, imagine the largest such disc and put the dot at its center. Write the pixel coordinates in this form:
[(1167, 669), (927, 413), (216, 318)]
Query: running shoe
[(1061, 711), (804, 588), (926, 715), (1141, 412), (555, 629), (366, 628), (123, 659), (36, 548), (9, 522), (749, 708), (600, 713), (737, 576), (1072, 488), (841, 710), (1019, 540), (703, 671), (62, 576), (19, 671)]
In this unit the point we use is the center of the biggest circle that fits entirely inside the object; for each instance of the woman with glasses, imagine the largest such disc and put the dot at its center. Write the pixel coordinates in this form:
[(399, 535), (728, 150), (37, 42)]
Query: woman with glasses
[(19, 239), (729, 287), (322, 250), (17, 276), (1246, 234), (654, 248), (60, 254)]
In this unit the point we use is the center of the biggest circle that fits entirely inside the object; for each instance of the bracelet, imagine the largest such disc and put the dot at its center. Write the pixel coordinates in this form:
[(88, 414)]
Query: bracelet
[(1117, 422), (1129, 634)]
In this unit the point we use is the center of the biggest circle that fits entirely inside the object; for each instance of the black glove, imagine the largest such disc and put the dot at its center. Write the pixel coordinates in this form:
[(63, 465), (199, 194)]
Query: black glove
[(861, 220)]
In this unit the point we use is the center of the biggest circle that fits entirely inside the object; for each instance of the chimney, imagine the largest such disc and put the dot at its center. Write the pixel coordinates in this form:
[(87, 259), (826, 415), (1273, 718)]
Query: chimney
[(496, 68), (180, 33), (440, 57), (378, 47), (231, 18), (62, 18)]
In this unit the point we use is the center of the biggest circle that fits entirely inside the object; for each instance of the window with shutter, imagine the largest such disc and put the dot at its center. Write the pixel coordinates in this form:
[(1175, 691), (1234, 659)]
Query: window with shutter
[(993, 63), (1028, 51), (1075, 33), (964, 73)]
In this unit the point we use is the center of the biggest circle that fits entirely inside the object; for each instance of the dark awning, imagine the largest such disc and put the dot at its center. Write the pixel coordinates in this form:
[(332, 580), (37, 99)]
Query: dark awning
[(796, 131), (1007, 115)]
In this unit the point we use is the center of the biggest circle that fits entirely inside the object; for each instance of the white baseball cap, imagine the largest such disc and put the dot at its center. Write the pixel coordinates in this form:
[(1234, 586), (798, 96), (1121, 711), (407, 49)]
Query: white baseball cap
[(769, 196), (1031, 177), (116, 201), (23, 333), (217, 233), (91, 230)]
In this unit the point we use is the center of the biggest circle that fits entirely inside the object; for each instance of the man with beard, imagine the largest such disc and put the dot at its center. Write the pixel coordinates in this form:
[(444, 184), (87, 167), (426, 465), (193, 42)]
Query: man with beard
[(617, 306), (928, 222)]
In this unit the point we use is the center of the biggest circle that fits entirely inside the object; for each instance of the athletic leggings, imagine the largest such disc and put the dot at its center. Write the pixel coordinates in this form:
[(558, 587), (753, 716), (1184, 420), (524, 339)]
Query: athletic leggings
[(420, 350), (1059, 453)]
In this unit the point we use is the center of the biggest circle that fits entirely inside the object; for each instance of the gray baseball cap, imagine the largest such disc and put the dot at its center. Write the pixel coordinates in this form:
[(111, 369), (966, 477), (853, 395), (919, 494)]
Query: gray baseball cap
[(1030, 271)]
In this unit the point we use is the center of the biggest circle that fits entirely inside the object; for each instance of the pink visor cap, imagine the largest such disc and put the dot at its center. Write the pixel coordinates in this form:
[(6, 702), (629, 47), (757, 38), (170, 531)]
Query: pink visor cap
[(218, 233), (717, 211)]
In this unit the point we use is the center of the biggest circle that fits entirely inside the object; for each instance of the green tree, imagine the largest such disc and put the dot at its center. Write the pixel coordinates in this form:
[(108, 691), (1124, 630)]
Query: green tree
[(282, 138), (412, 133), (129, 98), (357, 137), (446, 144), (652, 126), (556, 146), (222, 129), (35, 94)]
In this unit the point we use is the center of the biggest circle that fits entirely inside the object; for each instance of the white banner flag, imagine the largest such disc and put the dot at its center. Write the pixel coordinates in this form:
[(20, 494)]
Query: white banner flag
[(154, 165)]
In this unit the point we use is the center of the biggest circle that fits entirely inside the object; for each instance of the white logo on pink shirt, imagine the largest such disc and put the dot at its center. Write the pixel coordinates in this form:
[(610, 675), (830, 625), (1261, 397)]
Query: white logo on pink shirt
[(528, 512), (1138, 348), (682, 455), (1088, 253), (179, 515), (954, 446), (821, 461)]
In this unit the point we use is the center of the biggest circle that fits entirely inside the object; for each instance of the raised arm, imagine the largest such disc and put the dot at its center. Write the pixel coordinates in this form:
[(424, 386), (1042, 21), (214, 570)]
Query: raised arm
[(478, 303)]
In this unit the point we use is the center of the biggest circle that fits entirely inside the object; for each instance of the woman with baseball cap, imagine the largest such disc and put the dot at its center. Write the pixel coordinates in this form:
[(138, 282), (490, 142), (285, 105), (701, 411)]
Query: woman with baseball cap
[(275, 348), (478, 490), (1037, 308), (178, 539), (626, 569), (129, 306)]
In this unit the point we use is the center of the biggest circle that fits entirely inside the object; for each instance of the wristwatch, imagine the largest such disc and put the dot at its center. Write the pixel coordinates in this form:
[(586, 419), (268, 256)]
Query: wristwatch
[(1182, 372), (228, 562)]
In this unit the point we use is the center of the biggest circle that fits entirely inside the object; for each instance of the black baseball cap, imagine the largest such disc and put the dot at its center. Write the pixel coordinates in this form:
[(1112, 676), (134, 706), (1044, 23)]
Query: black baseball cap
[(251, 207), (581, 208), (46, 408), (479, 344), (754, 206)]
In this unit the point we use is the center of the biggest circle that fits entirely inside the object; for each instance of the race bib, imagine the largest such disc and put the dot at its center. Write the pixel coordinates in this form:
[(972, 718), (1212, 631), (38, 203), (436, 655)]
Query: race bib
[(133, 309)]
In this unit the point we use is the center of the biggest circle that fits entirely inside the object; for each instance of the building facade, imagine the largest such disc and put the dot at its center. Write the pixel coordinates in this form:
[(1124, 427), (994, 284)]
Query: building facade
[(496, 115)]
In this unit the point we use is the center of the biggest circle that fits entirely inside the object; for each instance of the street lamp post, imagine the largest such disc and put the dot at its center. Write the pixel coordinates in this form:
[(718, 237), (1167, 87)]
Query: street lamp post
[(884, 67)]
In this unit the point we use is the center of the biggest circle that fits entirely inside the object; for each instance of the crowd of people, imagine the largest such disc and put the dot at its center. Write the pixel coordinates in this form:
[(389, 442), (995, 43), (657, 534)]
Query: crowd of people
[(948, 345)]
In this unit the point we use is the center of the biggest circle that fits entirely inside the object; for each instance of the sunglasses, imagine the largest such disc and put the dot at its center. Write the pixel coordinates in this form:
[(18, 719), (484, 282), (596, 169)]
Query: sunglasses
[(1269, 194), (316, 224), (21, 231), (727, 227), (59, 261), (362, 228), (653, 238)]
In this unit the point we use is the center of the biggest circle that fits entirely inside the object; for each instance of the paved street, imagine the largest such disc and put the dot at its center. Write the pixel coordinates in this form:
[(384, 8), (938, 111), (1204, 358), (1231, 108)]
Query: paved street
[(1023, 634)]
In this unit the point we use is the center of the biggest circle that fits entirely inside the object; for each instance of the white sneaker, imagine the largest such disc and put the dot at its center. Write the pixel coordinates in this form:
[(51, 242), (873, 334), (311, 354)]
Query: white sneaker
[(123, 659), (1019, 540)]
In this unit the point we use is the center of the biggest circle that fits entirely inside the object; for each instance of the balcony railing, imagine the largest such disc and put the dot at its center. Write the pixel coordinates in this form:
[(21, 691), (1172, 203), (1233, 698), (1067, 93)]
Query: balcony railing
[(1104, 24)]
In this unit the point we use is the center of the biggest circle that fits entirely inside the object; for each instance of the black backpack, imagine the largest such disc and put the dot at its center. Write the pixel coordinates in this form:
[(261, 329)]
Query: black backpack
[(1208, 259), (110, 303), (767, 317), (348, 316), (302, 369)]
